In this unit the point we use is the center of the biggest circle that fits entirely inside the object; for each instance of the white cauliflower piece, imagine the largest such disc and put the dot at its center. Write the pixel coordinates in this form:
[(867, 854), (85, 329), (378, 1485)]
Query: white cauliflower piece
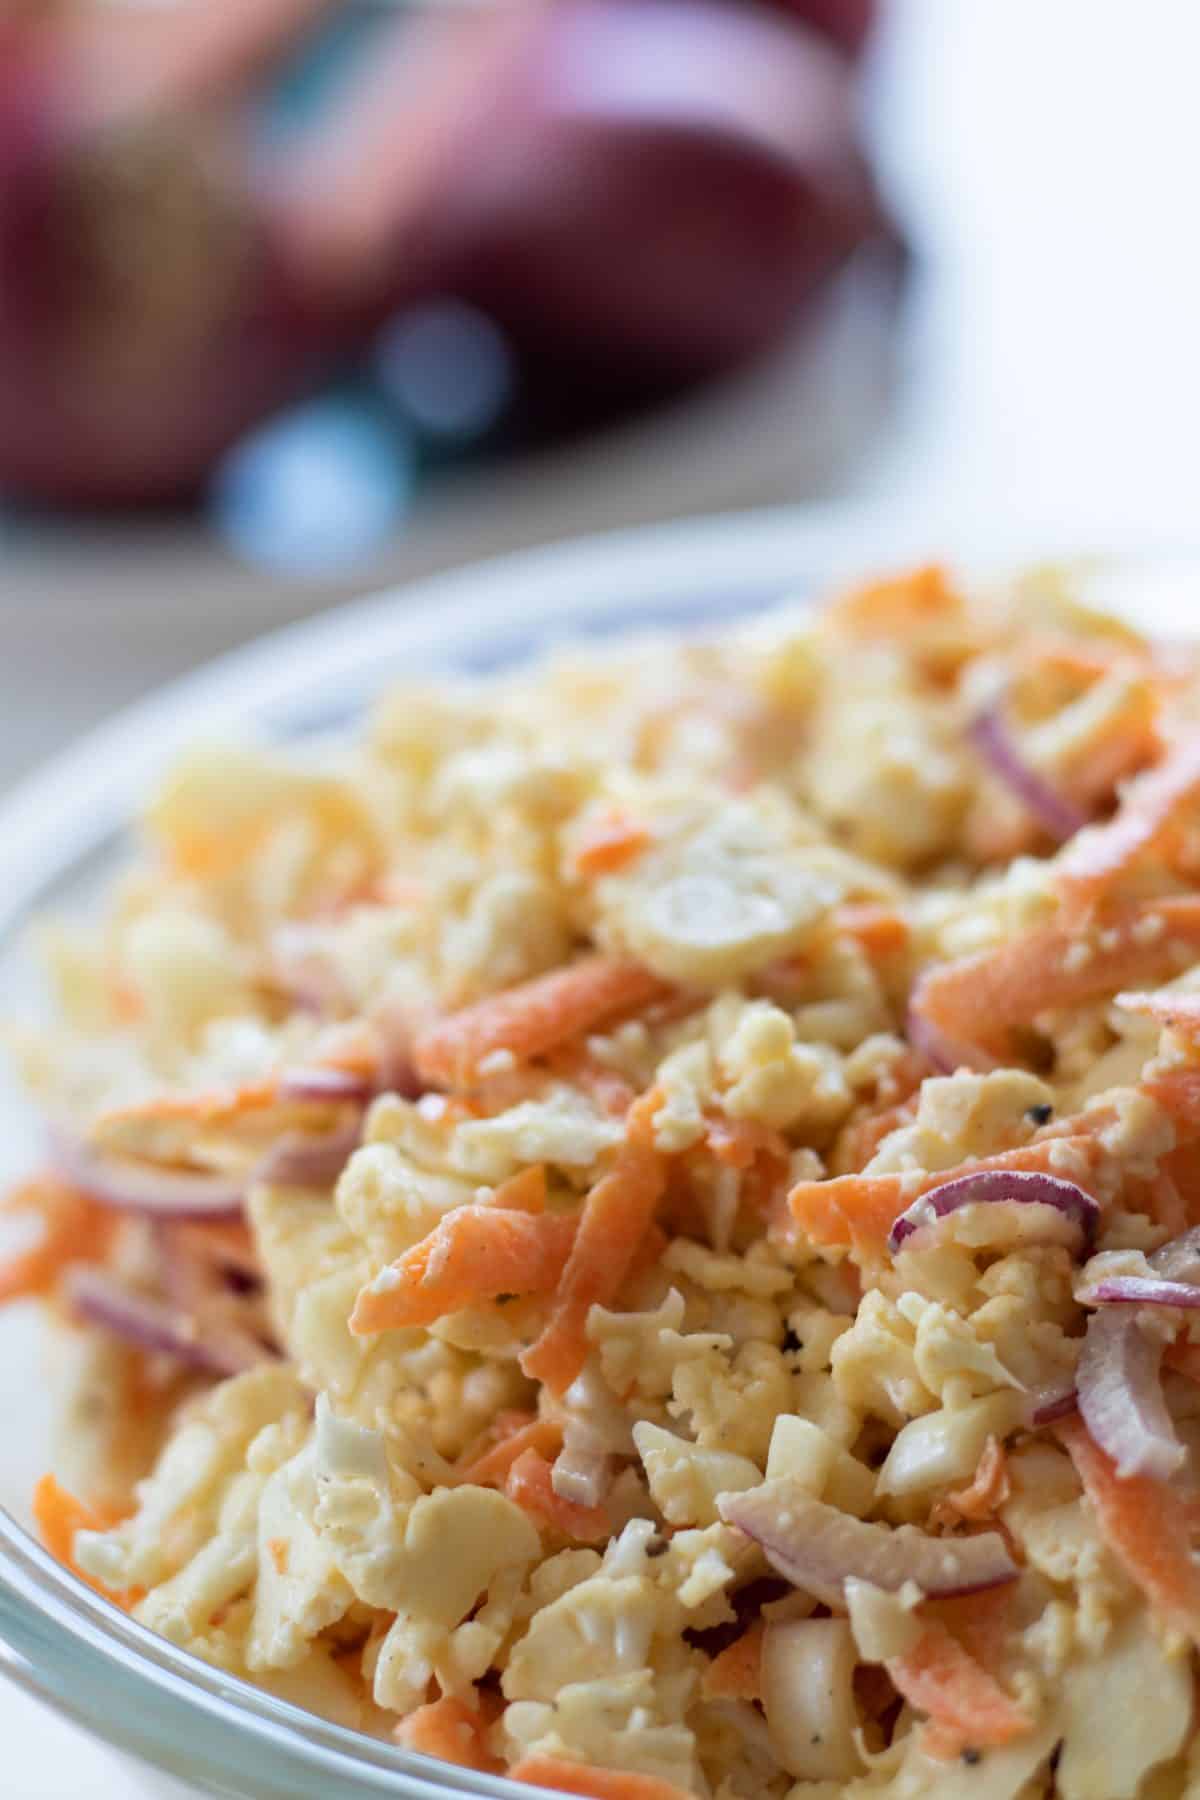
[(603, 1626), (179, 1502), (391, 1202), (874, 1363), (562, 1128), (686, 1479), (732, 1403), (299, 1590), (951, 1360), (613, 1723), (642, 1351), (964, 1115), (719, 895), (775, 1081)]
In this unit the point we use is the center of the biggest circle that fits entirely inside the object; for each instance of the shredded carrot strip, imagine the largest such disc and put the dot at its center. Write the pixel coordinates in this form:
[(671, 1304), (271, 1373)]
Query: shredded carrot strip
[(616, 1217), (490, 1466), (473, 1254), (74, 1229), (593, 1784), (523, 1192), (530, 1483), (58, 1516), (451, 1729), (1145, 1524), (1145, 823), (611, 844), (978, 999), (987, 1490), (736, 1674), (899, 604), (858, 1211), (534, 1018), (965, 1704), (880, 931), (203, 1108)]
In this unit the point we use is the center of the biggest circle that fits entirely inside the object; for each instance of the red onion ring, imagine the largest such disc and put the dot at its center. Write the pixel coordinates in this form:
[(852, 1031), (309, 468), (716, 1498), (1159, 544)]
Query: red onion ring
[(1121, 1397), (130, 1186), (316, 1082), (1120, 1370), (989, 733), (1046, 1405), (103, 1300), (819, 1548), (314, 1162), (1140, 1290), (1018, 1187)]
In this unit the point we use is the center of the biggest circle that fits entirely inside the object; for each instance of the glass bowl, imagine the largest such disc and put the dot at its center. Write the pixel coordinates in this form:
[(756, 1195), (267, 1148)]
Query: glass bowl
[(64, 830)]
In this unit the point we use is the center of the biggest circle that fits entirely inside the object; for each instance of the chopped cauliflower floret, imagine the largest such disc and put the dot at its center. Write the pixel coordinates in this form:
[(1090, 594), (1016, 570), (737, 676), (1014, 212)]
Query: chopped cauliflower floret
[(719, 896)]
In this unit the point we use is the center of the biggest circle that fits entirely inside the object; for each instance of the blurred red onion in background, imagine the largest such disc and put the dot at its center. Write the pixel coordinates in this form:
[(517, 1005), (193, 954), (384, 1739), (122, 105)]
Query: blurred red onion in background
[(640, 192)]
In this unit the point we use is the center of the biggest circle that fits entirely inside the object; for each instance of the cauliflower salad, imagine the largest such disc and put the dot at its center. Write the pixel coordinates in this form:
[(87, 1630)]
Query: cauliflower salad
[(639, 1228)]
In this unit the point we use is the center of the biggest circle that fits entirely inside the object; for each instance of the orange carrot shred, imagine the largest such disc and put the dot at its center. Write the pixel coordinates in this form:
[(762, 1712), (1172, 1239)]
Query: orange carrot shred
[(534, 1018), (475, 1253), (592, 1783), (965, 1704), (616, 1217), (523, 1192), (899, 603), (986, 1492), (1145, 1524), (530, 1483), (880, 931), (610, 844), (1145, 823), (452, 1730), (489, 1466), (74, 1229), (977, 1000), (736, 1674), (59, 1516)]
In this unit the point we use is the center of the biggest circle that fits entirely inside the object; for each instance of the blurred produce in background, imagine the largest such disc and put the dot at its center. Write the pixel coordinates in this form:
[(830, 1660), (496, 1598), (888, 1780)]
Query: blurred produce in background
[(459, 228)]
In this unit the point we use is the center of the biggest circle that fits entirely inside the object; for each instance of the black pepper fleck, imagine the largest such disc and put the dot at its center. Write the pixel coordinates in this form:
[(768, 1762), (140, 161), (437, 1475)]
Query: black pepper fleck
[(971, 1757), (1040, 1115)]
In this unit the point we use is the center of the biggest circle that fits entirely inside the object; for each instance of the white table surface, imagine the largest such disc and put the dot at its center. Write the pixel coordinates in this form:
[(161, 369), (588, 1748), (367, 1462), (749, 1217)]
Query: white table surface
[(1043, 158)]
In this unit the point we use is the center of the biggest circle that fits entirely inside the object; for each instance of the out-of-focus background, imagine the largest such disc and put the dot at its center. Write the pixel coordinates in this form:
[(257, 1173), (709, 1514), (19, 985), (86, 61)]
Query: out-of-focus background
[(302, 297)]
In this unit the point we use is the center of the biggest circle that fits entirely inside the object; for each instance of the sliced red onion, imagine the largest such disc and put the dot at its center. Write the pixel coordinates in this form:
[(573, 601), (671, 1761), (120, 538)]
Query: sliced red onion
[(1140, 1290), (130, 1186), (315, 1082), (1017, 1187), (990, 734), (818, 1548), (105, 1301), (1121, 1397), (314, 1162), (1046, 1405), (945, 1053)]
